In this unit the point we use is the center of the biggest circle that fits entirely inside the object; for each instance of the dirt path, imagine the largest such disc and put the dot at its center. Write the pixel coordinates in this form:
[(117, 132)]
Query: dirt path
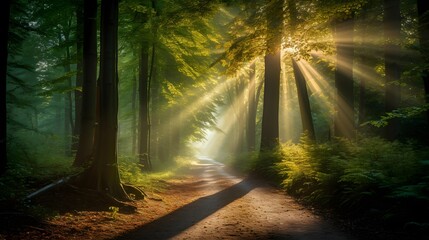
[(230, 207)]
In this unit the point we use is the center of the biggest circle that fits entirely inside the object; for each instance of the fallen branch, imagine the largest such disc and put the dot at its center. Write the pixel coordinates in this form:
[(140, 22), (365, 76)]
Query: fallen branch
[(48, 187)]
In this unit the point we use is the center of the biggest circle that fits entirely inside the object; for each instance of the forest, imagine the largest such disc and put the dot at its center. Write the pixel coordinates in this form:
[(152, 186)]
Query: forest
[(122, 117)]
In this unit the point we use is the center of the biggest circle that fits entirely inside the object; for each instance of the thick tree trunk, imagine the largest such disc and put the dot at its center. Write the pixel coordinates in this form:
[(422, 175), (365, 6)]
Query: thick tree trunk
[(103, 175), (304, 102), (423, 13), (143, 149), (344, 125), (392, 34), (89, 89), (4, 33), (252, 108), (270, 115)]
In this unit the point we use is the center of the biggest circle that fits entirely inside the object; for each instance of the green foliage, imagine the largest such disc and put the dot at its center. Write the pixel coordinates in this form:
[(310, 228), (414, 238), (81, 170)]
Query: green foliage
[(131, 172), (114, 212), (406, 112), (370, 177)]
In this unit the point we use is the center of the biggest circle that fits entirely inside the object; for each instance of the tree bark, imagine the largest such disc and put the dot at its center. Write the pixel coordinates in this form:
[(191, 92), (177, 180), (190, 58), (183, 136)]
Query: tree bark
[(68, 105), (143, 149), (344, 125), (304, 102), (392, 32), (270, 115), (103, 175), (252, 108), (79, 77), (301, 85), (89, 89), (423, 13), (134, 126), (4, 33)]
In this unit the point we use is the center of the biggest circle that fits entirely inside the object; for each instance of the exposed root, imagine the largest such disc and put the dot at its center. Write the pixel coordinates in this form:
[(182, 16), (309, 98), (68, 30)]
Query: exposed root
[(135, 191), (106, 199)]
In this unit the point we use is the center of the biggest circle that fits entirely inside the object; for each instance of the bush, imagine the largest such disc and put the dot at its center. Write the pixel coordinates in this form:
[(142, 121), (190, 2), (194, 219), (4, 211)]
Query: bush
[(371, 177)]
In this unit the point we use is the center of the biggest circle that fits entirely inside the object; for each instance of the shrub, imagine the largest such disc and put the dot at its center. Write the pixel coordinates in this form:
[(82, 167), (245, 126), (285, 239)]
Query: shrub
[(372, 177)]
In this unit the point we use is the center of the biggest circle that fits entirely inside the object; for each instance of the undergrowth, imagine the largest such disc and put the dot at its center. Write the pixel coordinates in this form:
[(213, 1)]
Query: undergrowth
[(154, 181), (371, 179)]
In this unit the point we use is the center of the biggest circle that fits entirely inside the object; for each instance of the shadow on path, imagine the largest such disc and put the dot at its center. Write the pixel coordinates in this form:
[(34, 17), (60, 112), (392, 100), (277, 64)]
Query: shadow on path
[(181, 219)]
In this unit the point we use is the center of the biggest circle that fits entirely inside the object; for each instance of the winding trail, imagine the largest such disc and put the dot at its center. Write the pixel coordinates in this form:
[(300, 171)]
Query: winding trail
[(232, 207)]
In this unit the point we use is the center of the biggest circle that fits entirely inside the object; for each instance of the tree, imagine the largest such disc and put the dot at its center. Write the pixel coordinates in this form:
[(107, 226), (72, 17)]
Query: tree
[(103, 174), (79, 75), (304, 102), (4, 32), (344, 125), (301, 85), (270, 115), (144, 141), (392, 34), (423, 29), (89, 89), (252, 109)]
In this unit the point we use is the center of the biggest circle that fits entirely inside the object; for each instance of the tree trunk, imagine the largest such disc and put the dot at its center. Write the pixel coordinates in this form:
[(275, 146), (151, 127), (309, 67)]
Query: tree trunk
[(89, 89), (103, 175), (423, 13), (362, 98), (344, 125), (68, 105), (4, 33), (301, 85), (134, 127), (392, 32), (304, 102), (270, 115), (143, 150), (79, 77), (252, 108)]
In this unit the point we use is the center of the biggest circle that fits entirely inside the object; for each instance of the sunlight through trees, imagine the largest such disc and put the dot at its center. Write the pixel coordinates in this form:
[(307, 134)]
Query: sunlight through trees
[(95, 85)]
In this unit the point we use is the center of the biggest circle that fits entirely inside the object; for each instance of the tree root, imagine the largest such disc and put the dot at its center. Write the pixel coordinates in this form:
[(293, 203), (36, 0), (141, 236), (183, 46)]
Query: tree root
[(73, 183), (106, 199), (134, 191)]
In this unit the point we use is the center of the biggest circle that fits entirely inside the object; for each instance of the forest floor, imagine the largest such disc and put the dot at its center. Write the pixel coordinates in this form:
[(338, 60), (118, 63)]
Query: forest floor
[(206, 202)]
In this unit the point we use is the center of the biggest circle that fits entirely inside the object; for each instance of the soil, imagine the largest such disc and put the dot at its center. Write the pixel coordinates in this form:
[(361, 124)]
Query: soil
[(208, 202)]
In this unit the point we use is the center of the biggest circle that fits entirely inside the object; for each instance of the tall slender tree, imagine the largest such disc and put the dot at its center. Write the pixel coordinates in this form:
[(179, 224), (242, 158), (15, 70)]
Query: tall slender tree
[(134, 127), (344, 125), (79, 76), (4, 33), (392, 34), (423, 29), (143, 146), (252, 108), (304, 102), (301, 85)]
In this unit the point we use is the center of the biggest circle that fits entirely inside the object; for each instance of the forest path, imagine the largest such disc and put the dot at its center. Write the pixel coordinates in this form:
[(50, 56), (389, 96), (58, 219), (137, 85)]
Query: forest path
[(231, 207)]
